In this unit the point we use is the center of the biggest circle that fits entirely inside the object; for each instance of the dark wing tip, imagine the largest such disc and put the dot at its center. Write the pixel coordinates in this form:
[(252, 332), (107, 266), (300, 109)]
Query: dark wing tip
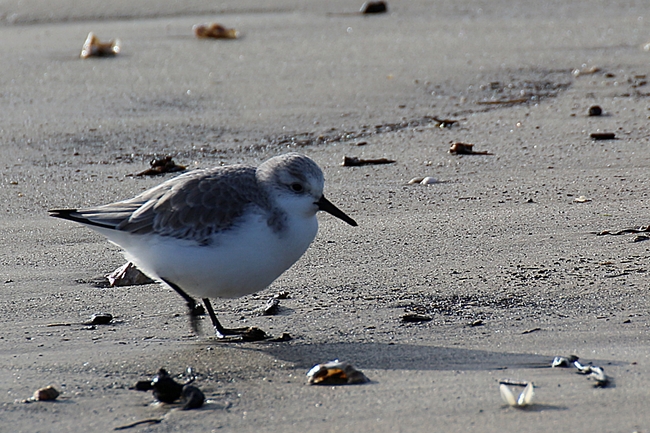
[(76, 216), (61, 213)]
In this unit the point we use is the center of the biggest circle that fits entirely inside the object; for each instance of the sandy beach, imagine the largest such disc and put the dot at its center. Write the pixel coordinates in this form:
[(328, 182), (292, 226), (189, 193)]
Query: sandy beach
[(516, 256)]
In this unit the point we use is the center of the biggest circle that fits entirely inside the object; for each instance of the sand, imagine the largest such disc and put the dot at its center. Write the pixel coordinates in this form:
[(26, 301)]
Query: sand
[(498, 253)]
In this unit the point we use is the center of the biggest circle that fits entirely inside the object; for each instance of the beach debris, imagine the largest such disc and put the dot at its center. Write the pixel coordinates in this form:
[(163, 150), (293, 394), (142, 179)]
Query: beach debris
[(272, 306), (193, 397), (511, 382), (640, 238), (49, 393), (214, 31), (353, 161), (504, 101), (585, 71), (444, 123), (374, 7), (335, 373), (95, 319), (162, 165), (642, 229), (591, 371), (563, 361), (530, 331), (423, 181), (595, 110), (94, 48), (581, 199), (475, 323), (524, 399), (167, 390), (602, 136), (137, 423), (100, 319), (416, 318), (282, 338), (458, 148), (127, 275)]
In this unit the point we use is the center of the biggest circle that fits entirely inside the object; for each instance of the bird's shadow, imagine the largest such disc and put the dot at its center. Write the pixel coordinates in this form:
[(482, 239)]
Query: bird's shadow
[(384, 356)]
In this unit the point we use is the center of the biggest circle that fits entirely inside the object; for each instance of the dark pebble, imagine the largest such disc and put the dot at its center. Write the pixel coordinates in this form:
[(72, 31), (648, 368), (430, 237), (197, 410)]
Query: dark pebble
[(100, 319), (374, 7), (414, 318), (595, 110), (165, 388), (193, 397), (603, 136)]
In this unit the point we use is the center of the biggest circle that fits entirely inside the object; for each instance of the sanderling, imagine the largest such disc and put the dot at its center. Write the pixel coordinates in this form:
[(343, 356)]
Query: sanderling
[(222, 232)]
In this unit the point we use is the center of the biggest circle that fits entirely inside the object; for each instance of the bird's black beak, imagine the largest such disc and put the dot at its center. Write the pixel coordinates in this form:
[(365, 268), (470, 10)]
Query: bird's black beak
[(327, 206)]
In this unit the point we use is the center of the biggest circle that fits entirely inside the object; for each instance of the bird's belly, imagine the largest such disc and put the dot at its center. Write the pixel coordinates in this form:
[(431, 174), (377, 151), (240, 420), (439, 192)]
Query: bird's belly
[(238, 262)]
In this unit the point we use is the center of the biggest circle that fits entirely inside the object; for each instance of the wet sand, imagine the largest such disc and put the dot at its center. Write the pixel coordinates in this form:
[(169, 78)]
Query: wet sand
[(499, 253)]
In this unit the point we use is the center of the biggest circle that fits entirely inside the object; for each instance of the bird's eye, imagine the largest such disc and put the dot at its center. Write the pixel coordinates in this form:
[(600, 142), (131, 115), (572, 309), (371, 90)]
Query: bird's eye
[(296, 187)]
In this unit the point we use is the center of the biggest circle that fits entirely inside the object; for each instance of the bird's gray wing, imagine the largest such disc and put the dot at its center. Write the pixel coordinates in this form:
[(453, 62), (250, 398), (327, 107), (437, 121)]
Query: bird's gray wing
[(191, 206)]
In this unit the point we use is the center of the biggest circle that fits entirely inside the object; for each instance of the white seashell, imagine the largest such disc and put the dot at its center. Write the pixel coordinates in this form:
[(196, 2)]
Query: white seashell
[(415, 180), (428, 181), (525, 398)]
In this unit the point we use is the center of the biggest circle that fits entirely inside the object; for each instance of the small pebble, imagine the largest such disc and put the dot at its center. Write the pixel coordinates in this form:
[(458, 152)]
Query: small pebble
[(595, 110), (100, 319), (416, 318), (603, 136), (374, 7), (49, 393)]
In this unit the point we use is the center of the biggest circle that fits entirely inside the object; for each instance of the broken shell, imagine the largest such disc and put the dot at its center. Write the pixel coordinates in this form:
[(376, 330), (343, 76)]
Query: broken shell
[(415, 180), (428, 181), (461, 148), (458, 148), (271, 308), (581, 199), (127, 275), (525, 398), (563, 361), (335, 373), (214, 31), (585, 71), (598, 375), (94, 48), (46, 394)]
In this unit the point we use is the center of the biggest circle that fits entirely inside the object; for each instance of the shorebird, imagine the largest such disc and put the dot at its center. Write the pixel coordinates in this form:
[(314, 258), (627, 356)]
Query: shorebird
[(221, 232)]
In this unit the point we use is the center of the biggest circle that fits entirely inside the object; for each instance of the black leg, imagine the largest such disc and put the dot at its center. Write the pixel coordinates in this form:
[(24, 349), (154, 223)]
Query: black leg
[(195, 308), (220, 330), (242, 334), (245, 334)]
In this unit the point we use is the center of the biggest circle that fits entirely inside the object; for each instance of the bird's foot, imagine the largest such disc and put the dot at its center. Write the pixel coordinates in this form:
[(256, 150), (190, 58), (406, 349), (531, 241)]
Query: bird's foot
[(236, 335)]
